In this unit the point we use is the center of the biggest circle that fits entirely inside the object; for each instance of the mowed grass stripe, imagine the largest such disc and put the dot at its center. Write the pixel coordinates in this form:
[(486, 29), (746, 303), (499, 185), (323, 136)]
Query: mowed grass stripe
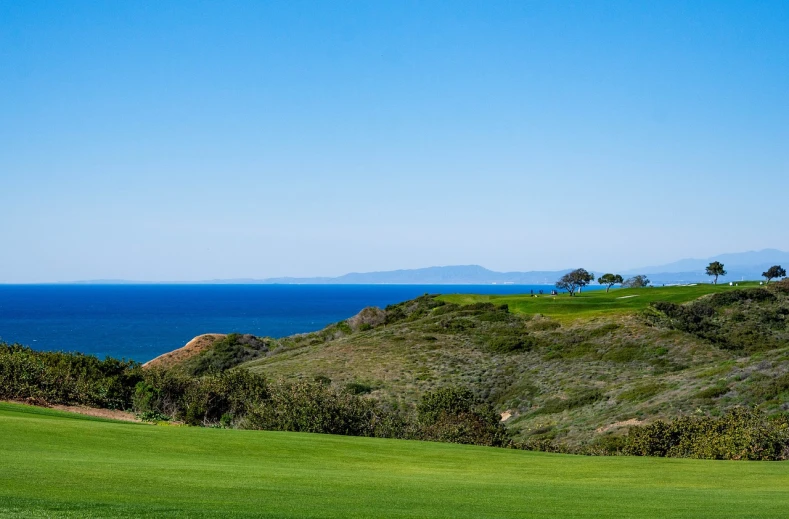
[(55, 466)]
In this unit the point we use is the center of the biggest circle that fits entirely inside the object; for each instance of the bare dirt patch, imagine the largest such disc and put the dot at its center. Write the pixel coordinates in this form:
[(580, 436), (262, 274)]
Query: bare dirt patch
[(192, 348)]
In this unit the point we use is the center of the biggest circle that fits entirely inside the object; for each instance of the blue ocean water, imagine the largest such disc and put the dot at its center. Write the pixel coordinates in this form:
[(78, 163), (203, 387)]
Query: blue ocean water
[(141, 322)]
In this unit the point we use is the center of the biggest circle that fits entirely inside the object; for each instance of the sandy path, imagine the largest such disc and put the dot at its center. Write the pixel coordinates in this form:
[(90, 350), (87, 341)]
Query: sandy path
[(112, 414)]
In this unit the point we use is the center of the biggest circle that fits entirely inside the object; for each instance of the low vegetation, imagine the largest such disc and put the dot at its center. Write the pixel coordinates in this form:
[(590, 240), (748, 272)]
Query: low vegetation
[(61, 465), (667, 378), (66, 378)]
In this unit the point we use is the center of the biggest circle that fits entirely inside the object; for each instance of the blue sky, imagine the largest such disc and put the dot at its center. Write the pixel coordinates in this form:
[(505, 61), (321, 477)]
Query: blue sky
[(178, 141)]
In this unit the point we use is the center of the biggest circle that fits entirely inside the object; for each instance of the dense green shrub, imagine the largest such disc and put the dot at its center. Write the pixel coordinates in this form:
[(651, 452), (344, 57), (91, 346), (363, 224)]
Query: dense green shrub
[(411, 310), (199, 400), (744, 294), (765, 388), (780, 286), (749, 320), (741, 434), (446, 400), (456, 415), (317, 408), (227, 353), (161, 392), (694, 318), (66, 378)]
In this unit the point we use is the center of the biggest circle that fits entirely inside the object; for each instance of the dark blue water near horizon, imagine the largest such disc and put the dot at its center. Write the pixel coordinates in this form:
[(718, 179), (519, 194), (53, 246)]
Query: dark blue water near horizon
[(140, 322)]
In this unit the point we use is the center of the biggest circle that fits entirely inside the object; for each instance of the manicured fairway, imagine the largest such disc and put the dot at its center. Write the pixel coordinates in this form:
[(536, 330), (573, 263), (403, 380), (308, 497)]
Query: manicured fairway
[(596, 302), (53, 465)]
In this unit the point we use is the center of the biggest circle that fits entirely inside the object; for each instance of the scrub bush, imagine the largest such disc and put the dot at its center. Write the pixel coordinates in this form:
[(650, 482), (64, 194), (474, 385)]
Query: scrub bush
[(740, 434), (66, 378)]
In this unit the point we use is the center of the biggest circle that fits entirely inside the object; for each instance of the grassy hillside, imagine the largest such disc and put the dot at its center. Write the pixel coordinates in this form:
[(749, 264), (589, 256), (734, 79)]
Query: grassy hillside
[(603, 362), (59, 465)]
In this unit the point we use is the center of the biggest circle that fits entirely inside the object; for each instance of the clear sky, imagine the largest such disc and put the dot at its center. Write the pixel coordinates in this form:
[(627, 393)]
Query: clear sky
[(187, 141)]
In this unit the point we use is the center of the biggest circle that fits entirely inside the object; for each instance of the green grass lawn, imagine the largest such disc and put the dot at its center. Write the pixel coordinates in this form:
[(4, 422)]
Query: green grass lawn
[(595, 302), (55, 465)]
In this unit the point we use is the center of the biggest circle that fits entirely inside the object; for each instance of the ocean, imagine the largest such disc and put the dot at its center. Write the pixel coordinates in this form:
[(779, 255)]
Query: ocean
[(140, 322)]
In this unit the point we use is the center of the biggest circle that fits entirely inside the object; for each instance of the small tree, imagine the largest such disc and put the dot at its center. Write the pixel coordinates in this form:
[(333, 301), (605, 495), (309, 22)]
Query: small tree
[(636, 282), (776, 271), (610, 280), (715, 269), (574, 280)]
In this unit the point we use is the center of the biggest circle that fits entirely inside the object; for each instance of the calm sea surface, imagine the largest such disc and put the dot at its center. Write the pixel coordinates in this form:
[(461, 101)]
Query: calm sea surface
[(141, 322)]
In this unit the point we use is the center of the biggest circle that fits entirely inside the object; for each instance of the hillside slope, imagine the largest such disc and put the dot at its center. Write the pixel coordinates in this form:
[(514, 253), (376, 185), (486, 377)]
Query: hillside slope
[(570, 378), (192, 349)]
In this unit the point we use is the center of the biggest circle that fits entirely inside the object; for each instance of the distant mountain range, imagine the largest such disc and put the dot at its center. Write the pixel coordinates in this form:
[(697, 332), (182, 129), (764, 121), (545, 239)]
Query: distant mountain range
[(741, 265), (451, 275)]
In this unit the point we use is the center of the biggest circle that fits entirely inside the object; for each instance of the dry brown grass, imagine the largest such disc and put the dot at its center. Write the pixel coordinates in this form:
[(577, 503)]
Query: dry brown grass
[(192, 348)]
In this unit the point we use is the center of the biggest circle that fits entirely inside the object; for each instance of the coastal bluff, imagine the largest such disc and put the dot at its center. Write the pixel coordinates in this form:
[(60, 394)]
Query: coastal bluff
[(192, 348)]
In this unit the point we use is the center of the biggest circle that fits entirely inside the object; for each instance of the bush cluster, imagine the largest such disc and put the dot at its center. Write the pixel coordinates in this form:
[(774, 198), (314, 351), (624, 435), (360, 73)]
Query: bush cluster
[(741, 434), (66, 378), (240, 398), (736, 296), (745, 320), (216, 399), (455, 415), (232, 350), (781, 286), (320, 408)]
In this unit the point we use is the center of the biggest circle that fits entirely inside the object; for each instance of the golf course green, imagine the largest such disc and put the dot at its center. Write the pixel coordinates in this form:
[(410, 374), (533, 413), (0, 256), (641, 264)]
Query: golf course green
[(593, 303), (54, 464)]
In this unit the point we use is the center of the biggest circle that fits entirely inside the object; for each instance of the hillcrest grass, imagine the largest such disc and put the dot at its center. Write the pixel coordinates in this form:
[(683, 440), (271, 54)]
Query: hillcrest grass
[(593, 303), (55, 465)]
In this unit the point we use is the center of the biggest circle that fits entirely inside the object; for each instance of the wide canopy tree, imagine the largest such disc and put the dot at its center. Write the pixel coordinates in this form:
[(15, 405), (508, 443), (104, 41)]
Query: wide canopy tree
[(715, 269), (575, 280), (638, 281), (776, 271), (610, 280)]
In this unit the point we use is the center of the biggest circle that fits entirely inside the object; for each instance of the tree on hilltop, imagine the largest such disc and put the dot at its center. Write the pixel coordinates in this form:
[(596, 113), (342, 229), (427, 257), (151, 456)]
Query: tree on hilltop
[(776, 271), (715, 269), (574, 280), (610, 280)]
